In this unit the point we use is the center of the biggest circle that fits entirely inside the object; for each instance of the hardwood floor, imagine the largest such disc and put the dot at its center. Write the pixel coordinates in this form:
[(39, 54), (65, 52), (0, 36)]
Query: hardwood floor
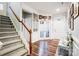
[(51, 47)]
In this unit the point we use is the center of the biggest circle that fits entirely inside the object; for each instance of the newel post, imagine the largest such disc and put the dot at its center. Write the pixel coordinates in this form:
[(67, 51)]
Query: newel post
[(30, 42)]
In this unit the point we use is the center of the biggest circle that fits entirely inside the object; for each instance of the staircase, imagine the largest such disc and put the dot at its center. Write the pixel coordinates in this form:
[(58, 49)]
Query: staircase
[(12, 44)]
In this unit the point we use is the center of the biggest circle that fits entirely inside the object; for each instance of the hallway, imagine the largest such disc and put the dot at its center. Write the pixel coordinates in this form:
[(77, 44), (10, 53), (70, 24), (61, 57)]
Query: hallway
[(39, 29)]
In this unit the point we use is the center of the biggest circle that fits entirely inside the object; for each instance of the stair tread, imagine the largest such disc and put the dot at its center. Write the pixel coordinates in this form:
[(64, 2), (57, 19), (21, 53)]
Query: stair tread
[(7, 50), (3, 21), (25, 54), (12, 41), (3, 16), (6, 25), (8, 36), (18, 52), (7, 28), (8, 32)]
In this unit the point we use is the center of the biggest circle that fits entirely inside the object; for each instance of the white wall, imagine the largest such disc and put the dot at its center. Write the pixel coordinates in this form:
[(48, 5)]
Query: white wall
[(17, 9), (76, 28), (43, 12), (75, 35), (35, 34), (3, 9), (27, 8), (28, 23), (59, 28), (29, 20)]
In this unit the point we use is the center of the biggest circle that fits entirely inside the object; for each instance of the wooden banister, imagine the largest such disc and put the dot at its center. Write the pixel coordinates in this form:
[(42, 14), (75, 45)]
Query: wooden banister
[(19, 19), (30, 31)]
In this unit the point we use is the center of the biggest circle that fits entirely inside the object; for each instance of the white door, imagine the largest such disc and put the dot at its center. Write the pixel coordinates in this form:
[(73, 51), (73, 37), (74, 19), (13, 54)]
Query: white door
[(59, 29), (44, 30)]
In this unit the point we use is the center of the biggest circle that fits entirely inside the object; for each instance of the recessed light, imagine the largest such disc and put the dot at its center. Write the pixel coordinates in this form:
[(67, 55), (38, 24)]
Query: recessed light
[(57, 9)]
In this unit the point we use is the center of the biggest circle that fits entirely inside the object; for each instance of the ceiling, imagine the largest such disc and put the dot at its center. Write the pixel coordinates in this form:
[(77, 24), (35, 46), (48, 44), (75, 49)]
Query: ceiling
[(49, 7)]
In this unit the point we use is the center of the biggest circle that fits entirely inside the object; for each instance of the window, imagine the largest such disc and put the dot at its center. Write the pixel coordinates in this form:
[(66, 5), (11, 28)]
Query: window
[(44, 34)]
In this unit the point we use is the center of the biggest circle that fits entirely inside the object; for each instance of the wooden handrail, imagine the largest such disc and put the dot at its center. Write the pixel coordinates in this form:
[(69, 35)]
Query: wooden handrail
[(30, 31), (19, 20)]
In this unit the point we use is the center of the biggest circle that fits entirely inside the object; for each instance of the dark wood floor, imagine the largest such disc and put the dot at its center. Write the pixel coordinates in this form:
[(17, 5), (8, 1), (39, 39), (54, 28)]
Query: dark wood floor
[(52, 47)]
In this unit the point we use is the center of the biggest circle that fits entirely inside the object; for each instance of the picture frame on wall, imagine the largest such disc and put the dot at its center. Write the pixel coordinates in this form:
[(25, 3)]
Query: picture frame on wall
[(71, 17), (35, 17), (76, 9), (49, 17), (72, 23), (69, 20), (40, 17), (72, 10), (35, 22)]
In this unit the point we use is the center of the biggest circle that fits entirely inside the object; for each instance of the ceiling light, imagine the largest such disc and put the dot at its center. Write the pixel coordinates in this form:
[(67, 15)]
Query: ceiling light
[(57, 9)]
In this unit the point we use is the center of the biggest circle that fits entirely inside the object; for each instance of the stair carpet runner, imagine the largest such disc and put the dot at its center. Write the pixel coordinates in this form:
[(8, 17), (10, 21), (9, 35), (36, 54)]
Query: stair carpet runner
[(12, 44)]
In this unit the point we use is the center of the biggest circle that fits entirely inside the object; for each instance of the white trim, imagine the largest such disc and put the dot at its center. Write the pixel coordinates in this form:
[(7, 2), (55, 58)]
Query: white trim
[(75, 45), (75, 39), (1, 44), (23, 40)]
